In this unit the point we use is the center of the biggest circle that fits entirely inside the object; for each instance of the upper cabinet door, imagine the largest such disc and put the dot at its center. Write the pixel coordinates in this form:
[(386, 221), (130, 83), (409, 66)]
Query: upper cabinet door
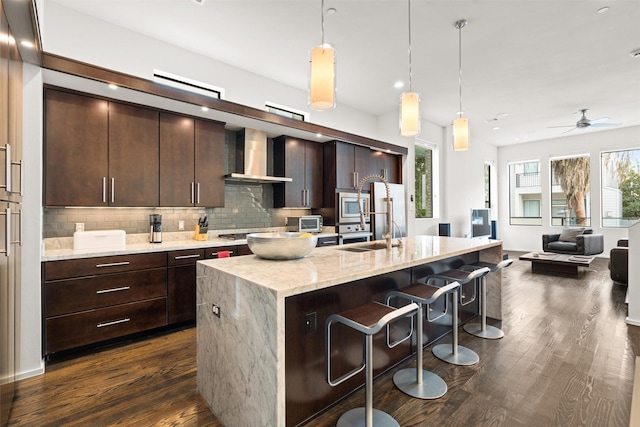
[(133, 156), (177, 185), (314, 174), (361, 163), (345, 170), (75, 150), (209, 164)]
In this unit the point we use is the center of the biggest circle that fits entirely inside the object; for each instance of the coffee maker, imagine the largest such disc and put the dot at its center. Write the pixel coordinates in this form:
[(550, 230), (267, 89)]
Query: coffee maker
[(155, 228)]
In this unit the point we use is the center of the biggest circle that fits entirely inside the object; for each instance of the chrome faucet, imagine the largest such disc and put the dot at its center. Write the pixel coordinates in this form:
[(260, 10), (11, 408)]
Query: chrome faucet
[(388, 235)]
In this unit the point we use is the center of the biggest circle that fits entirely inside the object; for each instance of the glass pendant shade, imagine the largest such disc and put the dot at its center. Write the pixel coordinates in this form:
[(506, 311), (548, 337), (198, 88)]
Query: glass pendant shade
[(410, 114), (461, 134), (322, 77)]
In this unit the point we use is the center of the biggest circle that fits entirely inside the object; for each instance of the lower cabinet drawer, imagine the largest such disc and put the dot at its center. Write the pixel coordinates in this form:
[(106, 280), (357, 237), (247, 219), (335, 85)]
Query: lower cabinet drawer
[(73, 295), (88, 327)]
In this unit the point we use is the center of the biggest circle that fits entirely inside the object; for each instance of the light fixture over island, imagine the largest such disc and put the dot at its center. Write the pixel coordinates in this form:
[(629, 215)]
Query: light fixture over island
[(260, 323)]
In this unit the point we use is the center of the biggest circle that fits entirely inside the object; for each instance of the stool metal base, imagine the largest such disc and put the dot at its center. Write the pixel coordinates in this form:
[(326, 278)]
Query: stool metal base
[(464, 357), (356, 418), (490, 332), (432, 386)]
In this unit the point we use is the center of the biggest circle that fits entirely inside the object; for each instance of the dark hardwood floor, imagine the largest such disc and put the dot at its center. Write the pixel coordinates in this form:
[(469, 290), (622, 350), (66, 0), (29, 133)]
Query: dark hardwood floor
[(567, 360)]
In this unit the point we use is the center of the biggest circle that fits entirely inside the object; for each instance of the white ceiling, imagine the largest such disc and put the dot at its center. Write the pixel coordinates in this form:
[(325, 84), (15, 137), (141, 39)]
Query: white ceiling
[(539, 61)]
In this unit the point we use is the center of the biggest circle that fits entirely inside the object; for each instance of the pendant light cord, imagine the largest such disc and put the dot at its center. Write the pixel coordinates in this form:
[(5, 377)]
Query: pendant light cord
[(322, 13), (460, 25), (409, 19)]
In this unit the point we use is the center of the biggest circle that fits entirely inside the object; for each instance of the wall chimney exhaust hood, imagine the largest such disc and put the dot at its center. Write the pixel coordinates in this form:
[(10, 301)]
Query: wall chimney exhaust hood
[(251, 158)]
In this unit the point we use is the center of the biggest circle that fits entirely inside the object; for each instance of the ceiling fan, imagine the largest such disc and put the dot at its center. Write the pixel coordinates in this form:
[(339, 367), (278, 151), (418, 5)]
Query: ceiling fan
[(584, 122)]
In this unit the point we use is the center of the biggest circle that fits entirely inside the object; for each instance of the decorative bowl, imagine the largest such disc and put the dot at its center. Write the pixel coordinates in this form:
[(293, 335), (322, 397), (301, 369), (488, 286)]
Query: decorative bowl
[(281, 246)]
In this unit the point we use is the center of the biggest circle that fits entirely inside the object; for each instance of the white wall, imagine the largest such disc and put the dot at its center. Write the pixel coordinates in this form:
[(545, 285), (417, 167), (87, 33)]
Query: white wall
[(529, 238)]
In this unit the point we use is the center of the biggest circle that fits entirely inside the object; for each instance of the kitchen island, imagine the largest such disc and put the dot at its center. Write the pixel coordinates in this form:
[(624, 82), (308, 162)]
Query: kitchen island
[(261, 323)]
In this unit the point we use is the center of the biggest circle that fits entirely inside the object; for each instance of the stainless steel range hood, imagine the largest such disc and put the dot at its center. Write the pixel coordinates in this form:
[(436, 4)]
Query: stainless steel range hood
[(251, 158)]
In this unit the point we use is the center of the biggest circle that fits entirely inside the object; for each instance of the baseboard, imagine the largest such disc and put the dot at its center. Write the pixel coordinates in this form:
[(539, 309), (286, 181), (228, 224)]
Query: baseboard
[(634, 322), (29, 374)]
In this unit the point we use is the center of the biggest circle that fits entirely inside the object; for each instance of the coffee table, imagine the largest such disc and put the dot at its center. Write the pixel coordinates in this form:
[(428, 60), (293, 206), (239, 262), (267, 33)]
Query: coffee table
[(556, 264)]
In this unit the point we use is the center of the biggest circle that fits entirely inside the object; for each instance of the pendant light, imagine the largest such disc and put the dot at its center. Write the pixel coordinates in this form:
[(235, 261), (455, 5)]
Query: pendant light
[(322, 74), (461, 124), (409, 101)]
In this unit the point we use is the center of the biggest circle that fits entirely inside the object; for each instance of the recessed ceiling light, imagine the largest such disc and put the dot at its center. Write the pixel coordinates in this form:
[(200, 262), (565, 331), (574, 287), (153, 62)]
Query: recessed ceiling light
[(331, 11), (398, 84), (502, 115), (497, 128), (603, 9), (27, 43), (516, 139), (205, 108), (112, 86), (318, 135)]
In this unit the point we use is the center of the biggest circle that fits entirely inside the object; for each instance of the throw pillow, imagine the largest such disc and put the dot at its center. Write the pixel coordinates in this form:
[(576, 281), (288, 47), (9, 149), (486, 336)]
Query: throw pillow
[(569, 234)]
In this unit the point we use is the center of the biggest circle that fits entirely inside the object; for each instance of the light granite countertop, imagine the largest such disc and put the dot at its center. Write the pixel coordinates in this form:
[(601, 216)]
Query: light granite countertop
[(56, 249), (329, 266)]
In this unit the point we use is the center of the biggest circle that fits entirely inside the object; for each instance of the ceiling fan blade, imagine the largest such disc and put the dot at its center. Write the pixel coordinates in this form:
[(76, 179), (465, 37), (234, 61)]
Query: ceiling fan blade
[(605, 125), (567, 131), (599, 120)]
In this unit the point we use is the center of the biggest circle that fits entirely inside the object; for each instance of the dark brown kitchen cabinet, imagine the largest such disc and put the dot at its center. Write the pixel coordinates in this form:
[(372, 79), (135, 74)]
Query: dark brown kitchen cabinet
[(76, 149), (302, 161), (386, 165), (344, 166), (181, 285), (99, 153), (93, 300), (133, 156), (191, 161)]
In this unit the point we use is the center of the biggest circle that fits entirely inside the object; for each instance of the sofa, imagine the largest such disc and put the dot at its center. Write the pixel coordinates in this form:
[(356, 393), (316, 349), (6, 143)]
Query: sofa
[(619, 262), (574, 240)]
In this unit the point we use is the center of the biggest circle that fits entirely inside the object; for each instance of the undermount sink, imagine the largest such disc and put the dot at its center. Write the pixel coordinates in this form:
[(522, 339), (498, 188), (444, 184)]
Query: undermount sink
[(366, 248)]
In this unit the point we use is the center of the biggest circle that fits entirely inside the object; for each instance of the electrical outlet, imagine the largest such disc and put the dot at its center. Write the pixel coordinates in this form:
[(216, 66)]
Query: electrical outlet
[(310, 320), (215, 309), (79, 226), (180, 225)]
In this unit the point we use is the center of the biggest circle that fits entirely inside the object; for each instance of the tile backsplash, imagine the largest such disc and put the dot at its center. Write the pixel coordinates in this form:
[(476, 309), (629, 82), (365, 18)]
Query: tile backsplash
[(246, 206)]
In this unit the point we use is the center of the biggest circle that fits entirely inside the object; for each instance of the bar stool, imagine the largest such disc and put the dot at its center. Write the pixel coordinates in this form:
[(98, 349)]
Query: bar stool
[(455, 354), (483, 330), (418, 382), (368, 319)]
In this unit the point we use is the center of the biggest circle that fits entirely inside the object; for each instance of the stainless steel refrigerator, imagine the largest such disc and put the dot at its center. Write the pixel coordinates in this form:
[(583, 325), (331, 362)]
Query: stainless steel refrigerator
[(379, 204)]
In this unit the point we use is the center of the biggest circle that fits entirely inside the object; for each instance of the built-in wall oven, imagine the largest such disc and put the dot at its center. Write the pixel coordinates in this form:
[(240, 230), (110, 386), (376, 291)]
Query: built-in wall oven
[(348, 211), (353, 233)]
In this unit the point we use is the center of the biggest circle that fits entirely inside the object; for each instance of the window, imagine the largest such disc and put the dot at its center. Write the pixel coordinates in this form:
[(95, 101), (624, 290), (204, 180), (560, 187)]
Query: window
[(524, 193), (291, 113), (570, 191), (425, 180), (487, 185), (620, 187)]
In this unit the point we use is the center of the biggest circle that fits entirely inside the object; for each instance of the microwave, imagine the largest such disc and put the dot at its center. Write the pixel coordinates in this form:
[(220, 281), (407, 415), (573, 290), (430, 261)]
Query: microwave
[(348, 210), (306, 223)]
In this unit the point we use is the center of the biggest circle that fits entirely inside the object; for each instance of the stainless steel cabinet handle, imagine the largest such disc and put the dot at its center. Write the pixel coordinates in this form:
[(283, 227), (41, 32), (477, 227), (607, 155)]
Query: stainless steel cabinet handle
[(106, 291), (7, 167), (192, 194), (115, 322), (306, 202), (19, 164), (7, 237), (187, 256), (19, 241), (113, 189), (355, 180), (330, 242), (304, 198), (112, 264), (197, 193), (104, 189)]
